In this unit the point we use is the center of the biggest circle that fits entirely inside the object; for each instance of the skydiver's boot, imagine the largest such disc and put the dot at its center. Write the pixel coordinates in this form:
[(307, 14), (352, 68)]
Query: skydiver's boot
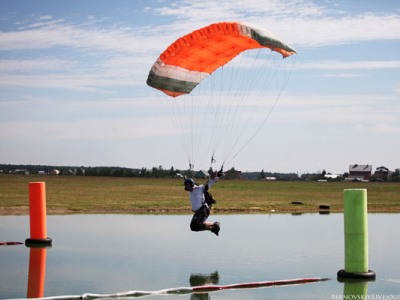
[(216, 228)]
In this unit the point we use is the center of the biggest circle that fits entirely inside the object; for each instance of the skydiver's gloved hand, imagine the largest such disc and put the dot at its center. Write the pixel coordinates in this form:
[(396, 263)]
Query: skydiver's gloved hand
[(217, 174)]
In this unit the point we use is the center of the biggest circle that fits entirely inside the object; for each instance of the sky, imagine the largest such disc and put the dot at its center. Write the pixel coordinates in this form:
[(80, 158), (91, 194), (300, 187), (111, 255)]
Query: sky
[(73, 83)]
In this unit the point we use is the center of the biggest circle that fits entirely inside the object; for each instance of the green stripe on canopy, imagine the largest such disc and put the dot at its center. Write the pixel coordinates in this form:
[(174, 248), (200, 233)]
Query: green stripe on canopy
[(170, 84)]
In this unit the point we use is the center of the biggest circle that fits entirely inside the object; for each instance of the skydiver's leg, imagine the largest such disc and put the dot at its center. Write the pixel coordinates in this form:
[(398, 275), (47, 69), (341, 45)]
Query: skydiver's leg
[(199, 218), (199, 223)]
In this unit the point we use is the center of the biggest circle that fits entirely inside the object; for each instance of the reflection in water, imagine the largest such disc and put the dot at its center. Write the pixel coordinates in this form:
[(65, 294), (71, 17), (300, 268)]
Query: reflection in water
[(355, 290), (203, 279), (37, 272)]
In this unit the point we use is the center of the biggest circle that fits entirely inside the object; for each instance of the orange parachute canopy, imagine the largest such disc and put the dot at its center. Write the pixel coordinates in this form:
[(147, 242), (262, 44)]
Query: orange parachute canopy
[(193, 57)]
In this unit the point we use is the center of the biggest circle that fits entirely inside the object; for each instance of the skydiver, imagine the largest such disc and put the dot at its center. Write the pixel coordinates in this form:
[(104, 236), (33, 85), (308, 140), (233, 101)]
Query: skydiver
[(201, 201)]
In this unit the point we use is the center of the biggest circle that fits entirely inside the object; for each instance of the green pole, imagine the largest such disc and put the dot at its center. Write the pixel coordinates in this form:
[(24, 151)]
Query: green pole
[(356, 231), (356, 235)]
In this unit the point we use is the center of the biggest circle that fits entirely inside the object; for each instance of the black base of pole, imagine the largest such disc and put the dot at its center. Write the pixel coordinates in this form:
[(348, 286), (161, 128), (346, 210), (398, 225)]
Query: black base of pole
[(343, 275), (40, 243)]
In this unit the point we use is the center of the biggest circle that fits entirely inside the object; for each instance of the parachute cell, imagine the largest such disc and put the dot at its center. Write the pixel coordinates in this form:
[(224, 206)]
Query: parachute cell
[(193, 57)]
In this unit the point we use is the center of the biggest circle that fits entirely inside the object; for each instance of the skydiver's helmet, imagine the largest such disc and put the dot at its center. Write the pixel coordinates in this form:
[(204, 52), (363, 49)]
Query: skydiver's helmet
[(189, 184)]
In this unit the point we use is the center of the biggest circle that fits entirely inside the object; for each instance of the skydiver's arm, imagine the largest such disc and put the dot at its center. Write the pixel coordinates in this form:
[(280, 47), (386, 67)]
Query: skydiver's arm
[(210, 183)]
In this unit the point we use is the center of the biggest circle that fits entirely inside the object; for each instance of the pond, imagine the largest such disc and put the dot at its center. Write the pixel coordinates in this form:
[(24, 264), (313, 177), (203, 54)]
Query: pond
[(106, 254)]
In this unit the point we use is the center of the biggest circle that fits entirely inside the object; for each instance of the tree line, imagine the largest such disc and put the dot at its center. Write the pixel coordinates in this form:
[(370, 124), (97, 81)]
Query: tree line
[(160, 172)]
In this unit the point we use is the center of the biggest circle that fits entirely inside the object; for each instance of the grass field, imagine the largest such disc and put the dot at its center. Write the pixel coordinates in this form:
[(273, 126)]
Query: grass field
[(70, 194)]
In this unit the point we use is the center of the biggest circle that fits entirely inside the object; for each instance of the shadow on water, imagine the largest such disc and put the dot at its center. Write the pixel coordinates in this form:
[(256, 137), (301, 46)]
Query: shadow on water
[(106, 254)]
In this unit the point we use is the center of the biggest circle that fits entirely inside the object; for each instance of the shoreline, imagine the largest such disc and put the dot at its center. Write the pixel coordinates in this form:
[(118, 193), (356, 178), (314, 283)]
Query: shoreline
[(24, 211)]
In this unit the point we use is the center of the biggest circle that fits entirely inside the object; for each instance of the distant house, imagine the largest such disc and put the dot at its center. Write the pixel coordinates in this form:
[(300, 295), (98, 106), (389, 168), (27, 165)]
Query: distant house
[(202, 174), (72, 172), (332, 176), (360, 172), (54, 172), (382, 173), (239, 175), (20, 171)]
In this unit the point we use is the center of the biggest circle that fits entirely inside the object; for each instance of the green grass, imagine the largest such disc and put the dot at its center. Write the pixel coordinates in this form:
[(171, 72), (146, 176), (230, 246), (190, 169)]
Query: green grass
[(148, 195)]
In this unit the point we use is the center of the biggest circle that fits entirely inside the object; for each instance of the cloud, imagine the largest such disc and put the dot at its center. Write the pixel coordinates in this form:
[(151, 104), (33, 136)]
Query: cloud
[(74, 74), (47, 35), (303, 23), (378, 128), (83, 82), (121, 129), (339, 111), (188, 10), (342, 75), (350, 65), (309, 32), (34, 65)]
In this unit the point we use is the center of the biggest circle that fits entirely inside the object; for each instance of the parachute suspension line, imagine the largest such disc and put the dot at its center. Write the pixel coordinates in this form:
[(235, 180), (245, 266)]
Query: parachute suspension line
[(236, 131), (244, 107), (212, 106), (176, 114), (169, 104), (235, 101), (228, 109), (191, 128), (179, 115), (214, 112), (180, 109), (224, 117), (201, 113), (280, 90), (204, 133), (185, 111), (222, 108), (196, 134)]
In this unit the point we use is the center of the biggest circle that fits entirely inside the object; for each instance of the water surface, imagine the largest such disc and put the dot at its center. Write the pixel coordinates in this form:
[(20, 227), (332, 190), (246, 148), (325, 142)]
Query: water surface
[(116, 253)]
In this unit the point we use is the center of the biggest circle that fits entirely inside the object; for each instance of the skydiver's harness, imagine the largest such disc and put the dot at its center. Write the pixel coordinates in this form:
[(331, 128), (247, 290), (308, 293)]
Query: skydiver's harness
[(208, 198)]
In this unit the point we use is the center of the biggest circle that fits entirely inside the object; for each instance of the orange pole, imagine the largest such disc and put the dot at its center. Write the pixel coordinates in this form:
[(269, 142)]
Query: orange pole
[(37, 273), (37, 207), (37, 211)]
